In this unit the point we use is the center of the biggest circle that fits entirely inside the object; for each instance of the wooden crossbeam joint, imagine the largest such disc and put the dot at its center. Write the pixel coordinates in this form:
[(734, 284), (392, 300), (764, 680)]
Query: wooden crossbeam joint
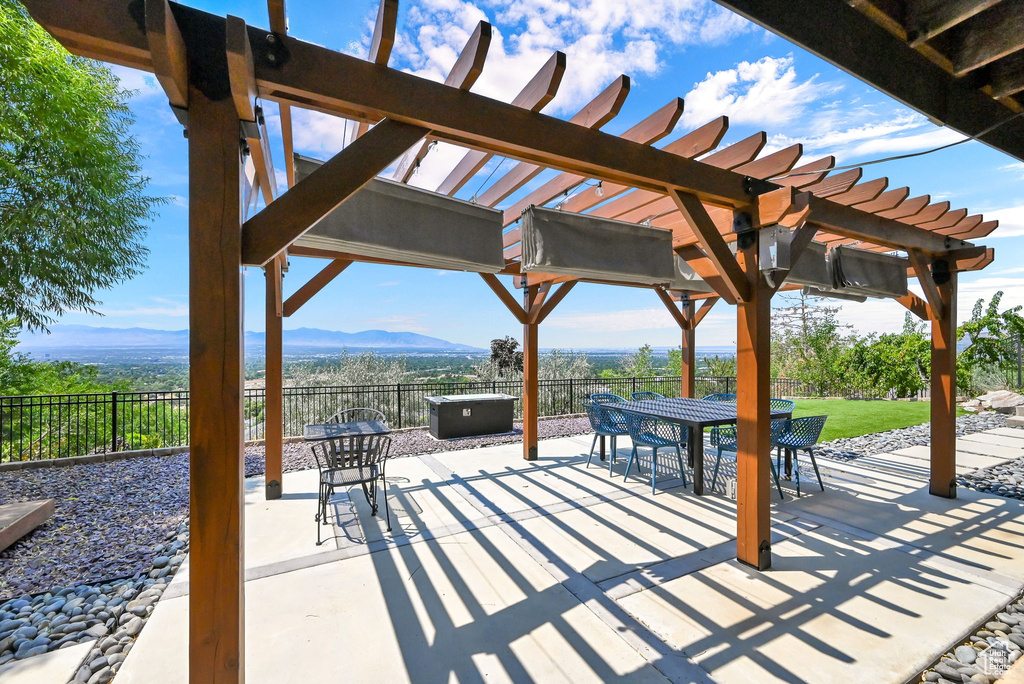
[(314, 285), (505, 296), (677, 315), (712, 243), (554, 299), (925, 276)]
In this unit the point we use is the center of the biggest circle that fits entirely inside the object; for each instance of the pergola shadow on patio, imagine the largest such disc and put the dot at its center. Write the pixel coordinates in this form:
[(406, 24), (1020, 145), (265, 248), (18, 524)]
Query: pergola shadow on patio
[(550, 571), (708, 224)]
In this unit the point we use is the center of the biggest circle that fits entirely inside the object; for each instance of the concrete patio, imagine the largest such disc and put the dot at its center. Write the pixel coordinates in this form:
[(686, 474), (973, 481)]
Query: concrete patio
[(508, 570)]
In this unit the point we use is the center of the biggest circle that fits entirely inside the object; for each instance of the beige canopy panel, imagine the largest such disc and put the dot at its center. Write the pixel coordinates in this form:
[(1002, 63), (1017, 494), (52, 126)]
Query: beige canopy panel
[(389, 220), (570, 244)]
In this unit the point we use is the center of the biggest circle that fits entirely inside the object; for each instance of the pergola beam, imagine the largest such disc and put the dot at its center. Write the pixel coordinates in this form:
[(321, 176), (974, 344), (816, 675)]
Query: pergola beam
[(710, 240), (593, 115), (243, 92), (167, 48), (534, 96), (553, 301), (308, 75), (318, 282), (463, 75), (382, 43), (505, 296), (652, 129), (285, 220)]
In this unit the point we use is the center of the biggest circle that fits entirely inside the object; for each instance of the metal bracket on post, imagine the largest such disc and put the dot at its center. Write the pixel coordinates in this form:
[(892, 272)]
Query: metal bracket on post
[(941, 272), (181, 114)]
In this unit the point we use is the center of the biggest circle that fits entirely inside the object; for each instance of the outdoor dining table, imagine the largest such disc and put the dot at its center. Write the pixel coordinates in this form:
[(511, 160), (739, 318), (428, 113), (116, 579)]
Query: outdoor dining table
[(695, 415), (315, 433)]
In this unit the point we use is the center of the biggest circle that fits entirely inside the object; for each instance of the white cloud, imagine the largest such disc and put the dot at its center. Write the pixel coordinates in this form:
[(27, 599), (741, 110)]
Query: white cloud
[(765, 92), (1011, 221), (160, 307), (615, 321), (143, 82), (398, 323)]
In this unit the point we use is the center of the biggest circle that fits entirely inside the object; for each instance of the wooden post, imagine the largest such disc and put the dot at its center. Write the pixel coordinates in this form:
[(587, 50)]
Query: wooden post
[(273, 408), (753, 317), (530, 407), (216, 567), (943, 400), (688, 358)]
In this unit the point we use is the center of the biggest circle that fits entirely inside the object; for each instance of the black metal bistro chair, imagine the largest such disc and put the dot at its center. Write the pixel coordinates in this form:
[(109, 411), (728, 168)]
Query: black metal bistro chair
[(606, 423), (796, 434), (647, 396), (656, 434), (347, 461), (354, 415)]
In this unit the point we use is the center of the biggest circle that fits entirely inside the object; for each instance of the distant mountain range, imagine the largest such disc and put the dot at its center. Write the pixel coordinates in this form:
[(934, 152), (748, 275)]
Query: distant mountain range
[(70, 336)]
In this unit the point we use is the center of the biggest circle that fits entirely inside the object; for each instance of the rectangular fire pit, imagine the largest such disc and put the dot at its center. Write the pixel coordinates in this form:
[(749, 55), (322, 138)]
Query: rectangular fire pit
[(470, 415)]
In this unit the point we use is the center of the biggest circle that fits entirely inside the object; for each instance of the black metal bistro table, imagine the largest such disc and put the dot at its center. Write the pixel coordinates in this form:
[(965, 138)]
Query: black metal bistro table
[(695, 415), (315, 433)]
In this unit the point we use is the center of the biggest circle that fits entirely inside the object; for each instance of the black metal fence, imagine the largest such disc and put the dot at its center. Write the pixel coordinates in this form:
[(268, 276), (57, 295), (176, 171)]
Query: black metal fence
[(59, 425)]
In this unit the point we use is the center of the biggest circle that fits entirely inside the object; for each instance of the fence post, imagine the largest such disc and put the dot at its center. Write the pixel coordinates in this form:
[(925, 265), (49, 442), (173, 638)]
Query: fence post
[(113, 421), (398, 390), (572, 396)]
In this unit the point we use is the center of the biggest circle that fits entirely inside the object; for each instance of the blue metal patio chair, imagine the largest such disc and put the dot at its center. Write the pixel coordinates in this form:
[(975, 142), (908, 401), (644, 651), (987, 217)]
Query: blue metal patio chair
[(782, 405), (605, 398), (724, 437), (606, 423), (656, 434), (721, 398), (647, 396), (795, 434)]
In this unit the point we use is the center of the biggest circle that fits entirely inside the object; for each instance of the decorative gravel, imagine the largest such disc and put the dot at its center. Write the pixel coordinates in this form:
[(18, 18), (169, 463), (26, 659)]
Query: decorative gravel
[(965, 663), (849, 448), (1006, 479), (119, 532), (108, 517)]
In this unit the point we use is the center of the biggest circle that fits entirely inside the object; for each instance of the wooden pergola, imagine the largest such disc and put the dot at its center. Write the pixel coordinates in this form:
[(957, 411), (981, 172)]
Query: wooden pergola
[(213, 69)]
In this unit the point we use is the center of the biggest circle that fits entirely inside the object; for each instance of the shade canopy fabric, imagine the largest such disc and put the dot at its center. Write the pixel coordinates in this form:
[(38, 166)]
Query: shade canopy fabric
[(849, 273), (388, 220), (569, 244), (812, 268)]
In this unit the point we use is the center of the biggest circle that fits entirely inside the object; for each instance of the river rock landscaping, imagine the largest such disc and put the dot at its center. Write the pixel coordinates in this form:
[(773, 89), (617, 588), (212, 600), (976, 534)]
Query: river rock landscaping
[(119, 532), (96, 569), (849, 448), (965, 663)]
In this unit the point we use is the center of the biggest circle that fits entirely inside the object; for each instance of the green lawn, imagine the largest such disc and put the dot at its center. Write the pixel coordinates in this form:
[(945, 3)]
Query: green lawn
[(851, 418)]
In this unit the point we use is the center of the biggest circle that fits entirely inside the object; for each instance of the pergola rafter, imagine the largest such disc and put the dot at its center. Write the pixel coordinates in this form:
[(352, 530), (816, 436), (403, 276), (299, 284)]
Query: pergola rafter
[(213, 69)]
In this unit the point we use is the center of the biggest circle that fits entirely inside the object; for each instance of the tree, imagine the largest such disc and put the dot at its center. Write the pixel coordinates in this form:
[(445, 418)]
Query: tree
[(560, 364), (639, 365), (992, 336), (72, 203), (506, 357), (893, 362), (809, 344)]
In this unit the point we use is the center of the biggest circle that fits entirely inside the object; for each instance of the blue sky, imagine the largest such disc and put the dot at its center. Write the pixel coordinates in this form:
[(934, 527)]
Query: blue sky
[(717, 61)]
